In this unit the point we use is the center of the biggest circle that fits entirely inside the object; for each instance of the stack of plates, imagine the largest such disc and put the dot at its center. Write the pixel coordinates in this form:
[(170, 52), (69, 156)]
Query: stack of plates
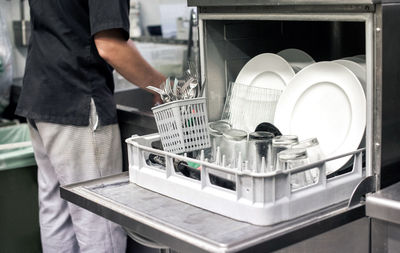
[(325, 100), (357, 67)]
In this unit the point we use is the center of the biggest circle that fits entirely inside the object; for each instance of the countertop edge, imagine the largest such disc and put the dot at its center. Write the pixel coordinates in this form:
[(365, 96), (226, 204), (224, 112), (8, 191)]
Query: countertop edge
[(382, 206)]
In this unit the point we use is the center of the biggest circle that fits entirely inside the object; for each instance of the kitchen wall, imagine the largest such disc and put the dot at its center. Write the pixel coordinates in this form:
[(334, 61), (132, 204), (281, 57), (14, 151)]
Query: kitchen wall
[(10, 10), (150, 12), (162, 12)]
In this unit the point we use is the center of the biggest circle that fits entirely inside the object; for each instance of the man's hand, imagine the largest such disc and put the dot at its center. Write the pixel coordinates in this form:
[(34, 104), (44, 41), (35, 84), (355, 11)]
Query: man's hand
[(157, 100)]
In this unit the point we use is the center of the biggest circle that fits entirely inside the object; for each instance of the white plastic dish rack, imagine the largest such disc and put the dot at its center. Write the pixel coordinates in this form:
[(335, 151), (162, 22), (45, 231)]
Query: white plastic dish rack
[(258, 198)]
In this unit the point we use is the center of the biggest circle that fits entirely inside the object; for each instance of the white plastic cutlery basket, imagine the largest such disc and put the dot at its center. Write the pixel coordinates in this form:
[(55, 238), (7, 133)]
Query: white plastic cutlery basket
[(257, 198), (183, 125)]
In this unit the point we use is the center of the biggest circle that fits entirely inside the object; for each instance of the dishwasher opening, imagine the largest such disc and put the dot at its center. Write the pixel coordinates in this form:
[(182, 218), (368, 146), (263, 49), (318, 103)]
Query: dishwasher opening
[(230, 44)]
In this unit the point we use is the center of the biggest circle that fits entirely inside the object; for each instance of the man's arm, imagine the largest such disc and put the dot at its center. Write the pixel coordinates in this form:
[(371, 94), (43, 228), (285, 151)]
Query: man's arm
[(124, 57)]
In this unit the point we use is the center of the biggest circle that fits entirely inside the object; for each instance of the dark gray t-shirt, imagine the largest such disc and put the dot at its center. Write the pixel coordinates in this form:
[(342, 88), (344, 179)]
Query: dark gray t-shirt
[(63, 68)]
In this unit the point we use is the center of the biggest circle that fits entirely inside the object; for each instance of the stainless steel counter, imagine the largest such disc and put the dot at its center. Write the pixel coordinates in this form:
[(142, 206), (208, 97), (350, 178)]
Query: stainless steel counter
[(385, 204), (186, 228), (383, 207)]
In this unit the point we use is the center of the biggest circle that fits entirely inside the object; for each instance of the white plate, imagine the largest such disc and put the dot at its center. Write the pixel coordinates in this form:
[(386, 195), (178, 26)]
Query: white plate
[(297, 58), (360, 56), (360, 59), (357, 68), (266, 71), (324, 100)]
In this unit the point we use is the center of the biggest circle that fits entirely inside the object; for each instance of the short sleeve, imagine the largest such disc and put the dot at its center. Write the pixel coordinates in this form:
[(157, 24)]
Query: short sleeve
[(109, 14)]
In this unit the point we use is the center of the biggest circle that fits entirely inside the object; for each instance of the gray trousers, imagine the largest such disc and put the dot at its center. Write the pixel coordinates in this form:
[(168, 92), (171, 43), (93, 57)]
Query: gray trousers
[(66, 155)]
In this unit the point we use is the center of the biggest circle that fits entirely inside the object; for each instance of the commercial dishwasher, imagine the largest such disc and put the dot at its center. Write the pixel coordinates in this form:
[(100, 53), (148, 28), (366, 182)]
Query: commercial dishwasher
[(230, 34)]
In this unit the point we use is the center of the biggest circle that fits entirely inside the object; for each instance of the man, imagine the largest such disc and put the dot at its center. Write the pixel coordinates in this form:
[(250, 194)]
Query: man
[(67, 98)]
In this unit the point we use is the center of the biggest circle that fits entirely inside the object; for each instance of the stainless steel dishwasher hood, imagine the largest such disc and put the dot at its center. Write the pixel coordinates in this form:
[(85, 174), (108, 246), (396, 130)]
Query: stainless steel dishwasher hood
[(205, 3)]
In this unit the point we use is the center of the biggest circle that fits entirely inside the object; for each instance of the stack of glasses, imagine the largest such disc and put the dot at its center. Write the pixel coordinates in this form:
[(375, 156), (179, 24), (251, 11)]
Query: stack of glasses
[(263, 152)]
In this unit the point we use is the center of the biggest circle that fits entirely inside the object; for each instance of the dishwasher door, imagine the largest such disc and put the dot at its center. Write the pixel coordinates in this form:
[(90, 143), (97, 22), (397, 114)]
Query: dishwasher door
[(186, 228)]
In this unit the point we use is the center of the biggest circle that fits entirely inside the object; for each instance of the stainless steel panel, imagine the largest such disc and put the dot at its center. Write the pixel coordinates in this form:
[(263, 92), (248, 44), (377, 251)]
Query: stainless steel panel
[(274, 14), (385, 237), (214, 69), (186, 228), (374, 135), (283, 2), (385, 137), (390, 84), (393, 239), (378, 236), (296, 10), (353, 237), (385, 204)]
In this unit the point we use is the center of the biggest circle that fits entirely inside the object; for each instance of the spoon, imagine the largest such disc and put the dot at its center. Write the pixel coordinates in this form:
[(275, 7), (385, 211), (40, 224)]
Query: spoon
[(175, 88), (185, 87), (168, 89), (192, 93)]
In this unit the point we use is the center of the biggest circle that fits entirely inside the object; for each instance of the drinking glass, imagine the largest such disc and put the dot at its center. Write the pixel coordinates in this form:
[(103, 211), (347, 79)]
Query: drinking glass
[(314, 154), (290, 159), (259, 147), (280, 143), (216, 130), (233, 144)]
